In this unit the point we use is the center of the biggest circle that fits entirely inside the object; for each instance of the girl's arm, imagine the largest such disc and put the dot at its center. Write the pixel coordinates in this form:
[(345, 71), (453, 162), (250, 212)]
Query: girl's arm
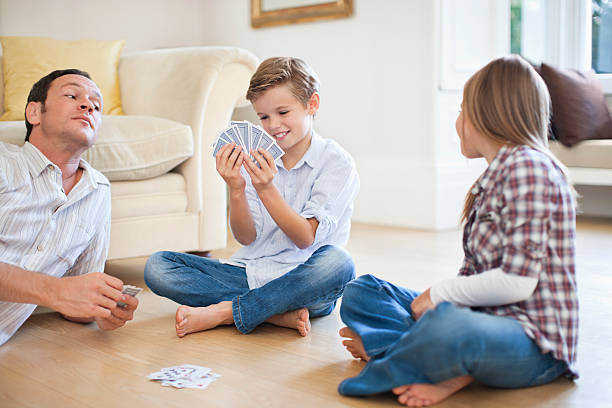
[(490, 288)]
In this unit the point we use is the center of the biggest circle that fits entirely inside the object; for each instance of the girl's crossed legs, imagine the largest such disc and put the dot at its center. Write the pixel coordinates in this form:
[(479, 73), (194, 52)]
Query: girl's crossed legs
[(426, 361)]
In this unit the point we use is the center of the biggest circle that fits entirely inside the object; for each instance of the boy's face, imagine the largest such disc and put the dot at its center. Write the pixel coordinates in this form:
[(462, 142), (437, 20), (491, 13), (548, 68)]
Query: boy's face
[(285, 118)]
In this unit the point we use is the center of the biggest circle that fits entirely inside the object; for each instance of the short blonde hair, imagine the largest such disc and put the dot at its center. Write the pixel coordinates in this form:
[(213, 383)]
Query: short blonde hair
[(508, 101), (299, 77)]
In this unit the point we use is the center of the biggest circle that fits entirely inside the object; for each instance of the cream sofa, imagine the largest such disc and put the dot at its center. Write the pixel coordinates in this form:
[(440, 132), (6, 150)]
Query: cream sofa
[(589, 162), (183, 97)]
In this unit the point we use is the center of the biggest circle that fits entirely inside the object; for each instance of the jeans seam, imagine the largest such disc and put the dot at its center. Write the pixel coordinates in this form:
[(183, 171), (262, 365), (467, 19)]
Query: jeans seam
[(239, 323)]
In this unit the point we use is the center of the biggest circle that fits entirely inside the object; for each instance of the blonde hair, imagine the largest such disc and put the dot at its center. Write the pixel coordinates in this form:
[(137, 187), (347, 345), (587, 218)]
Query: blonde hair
[(508, 101), (299, 77)]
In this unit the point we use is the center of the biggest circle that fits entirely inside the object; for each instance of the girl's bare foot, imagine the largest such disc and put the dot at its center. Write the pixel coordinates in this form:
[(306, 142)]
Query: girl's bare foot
[(424, 395), (354, 345), (194, 319), (296, 319)]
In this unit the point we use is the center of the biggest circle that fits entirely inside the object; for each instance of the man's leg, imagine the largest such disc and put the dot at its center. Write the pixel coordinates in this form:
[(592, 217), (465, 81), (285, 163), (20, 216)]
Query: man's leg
[(316, 284), (450, 343), (377, 314)]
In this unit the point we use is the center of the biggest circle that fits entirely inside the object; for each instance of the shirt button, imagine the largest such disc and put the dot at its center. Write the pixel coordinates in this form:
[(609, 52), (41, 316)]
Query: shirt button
[(40, 248)]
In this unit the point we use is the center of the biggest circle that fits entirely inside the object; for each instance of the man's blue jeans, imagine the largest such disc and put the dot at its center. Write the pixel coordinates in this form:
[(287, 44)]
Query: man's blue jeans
[(196, 281), (444, 343)]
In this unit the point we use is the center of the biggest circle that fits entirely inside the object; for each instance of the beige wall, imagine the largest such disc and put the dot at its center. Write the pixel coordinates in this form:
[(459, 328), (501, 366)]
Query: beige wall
[(378, 72)]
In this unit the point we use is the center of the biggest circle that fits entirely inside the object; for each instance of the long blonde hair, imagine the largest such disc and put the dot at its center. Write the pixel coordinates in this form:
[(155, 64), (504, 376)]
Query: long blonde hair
[(508, 101)]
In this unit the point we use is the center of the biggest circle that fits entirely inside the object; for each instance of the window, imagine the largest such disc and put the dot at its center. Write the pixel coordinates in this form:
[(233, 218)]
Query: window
[(565, 33), (601, 32)]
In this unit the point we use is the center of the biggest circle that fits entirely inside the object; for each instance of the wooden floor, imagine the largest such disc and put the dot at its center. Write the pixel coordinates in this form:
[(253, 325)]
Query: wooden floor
[(54, 363)]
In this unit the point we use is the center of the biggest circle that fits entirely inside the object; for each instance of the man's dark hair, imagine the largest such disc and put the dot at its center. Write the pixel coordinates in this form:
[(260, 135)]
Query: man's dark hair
[(39, 90)]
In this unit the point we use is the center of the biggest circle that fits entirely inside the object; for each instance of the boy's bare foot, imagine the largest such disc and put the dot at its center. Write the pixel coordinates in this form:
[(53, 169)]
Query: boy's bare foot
[(424, 395), (194, 319), (354, 345), (296, 319)]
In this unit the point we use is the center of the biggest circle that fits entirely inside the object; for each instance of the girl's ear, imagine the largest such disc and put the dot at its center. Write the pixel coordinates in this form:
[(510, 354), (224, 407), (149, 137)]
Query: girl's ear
[(33, 112), (313, 104)]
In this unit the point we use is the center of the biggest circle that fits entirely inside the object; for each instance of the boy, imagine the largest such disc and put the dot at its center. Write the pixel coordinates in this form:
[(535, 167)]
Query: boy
[(292, 216)]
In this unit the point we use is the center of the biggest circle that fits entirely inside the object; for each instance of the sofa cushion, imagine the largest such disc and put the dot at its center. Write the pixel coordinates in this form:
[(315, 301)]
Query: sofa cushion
[(128, 147), (27, 59), (580, 111), (589, 153)]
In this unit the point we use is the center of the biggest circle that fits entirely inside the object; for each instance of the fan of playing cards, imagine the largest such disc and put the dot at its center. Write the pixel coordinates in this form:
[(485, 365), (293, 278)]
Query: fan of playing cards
[(184, 376), (249, 137)]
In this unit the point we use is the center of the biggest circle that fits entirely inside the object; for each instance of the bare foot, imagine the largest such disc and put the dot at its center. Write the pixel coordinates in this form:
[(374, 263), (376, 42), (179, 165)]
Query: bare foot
[(424, 395), (296, 319), (194, 319), (354, 345)]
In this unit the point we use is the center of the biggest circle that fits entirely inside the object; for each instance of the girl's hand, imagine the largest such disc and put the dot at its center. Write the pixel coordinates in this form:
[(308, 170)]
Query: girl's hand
[(229, 159), (421, 304), (261, 177)]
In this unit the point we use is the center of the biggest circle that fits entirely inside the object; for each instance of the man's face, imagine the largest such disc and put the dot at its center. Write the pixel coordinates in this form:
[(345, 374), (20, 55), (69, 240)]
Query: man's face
[(72, 112)]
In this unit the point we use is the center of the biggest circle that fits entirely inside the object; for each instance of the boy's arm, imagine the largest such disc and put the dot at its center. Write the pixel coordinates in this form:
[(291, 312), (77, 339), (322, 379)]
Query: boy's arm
[(301, 231)]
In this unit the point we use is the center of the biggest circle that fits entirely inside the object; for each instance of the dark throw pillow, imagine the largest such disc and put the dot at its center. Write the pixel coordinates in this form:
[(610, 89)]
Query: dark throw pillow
[(579, 107)]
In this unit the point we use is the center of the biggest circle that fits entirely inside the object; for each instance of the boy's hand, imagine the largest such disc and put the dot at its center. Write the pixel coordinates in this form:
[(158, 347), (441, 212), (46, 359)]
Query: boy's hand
[(262, 176), (229, 159)]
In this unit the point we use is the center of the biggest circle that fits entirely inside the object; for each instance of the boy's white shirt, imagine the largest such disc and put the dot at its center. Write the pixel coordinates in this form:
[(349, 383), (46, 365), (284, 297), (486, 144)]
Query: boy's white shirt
[(322, 185)]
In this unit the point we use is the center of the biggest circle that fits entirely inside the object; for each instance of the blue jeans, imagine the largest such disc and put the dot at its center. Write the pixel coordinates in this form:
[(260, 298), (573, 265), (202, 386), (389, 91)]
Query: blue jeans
[(444, 343), (196, 281)]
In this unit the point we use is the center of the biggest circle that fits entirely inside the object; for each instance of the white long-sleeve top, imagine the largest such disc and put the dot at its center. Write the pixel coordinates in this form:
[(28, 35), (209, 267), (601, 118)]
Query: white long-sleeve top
[(490, 288)]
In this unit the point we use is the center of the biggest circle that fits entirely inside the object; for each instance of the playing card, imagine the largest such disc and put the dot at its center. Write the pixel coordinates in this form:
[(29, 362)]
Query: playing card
[(129, 290), (266, 141), (184, 376), (243, 131), (276, 151), (232, 133)]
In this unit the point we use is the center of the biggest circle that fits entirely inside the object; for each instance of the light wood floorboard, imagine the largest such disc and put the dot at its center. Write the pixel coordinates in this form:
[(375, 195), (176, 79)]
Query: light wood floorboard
[(51, 362)]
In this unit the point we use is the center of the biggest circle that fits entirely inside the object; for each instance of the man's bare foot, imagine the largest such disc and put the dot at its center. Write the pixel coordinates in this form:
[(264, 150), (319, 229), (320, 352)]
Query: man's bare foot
[(296, 319), (424, 395), (354, 345), (194, 319)]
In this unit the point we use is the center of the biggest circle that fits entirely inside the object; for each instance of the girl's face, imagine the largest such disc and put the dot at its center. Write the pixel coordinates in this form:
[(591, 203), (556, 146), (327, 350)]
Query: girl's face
[(285, 118), (470, 138)]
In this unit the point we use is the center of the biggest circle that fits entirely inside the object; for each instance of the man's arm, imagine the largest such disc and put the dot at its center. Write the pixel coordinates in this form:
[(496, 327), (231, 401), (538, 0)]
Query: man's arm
[(89, 296)]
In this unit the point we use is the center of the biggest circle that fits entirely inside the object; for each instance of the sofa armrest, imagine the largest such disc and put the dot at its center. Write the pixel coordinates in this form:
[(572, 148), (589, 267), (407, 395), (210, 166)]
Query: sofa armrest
[(200, 87)]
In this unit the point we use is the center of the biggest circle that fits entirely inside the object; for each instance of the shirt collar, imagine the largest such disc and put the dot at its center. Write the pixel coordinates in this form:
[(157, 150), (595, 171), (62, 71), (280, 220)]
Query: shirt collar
[(37, 162), (313, 154), (490, 174)]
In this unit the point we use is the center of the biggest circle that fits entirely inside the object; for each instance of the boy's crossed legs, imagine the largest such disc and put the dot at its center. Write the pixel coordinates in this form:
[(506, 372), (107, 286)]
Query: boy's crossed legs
[(212, 293)]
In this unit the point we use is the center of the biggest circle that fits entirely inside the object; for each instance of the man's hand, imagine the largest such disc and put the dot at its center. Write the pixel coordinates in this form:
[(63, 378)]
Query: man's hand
[(421, 304), (119, 315), (90, 296)]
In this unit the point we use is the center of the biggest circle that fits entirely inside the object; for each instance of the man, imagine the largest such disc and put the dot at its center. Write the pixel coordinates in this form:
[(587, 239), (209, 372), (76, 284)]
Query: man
[(55, 212)]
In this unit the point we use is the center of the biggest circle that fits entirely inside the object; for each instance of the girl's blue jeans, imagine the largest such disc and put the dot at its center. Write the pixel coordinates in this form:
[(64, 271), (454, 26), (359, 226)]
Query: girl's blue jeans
[(444, 343), (196, 281)]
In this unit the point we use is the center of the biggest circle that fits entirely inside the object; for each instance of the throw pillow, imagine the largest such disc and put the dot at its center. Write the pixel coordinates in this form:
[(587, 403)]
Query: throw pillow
[(27, 59), (579, 108)]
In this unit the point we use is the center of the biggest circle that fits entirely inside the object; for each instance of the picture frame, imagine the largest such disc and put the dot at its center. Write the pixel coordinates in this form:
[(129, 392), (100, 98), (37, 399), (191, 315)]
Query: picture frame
[(267, 13)]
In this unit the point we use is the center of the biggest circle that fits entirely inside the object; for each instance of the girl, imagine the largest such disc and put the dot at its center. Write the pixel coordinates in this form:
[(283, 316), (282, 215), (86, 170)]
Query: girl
[(510, 319)]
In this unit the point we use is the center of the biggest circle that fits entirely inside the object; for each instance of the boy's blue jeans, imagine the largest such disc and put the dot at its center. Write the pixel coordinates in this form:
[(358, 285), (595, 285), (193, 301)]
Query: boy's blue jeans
[(444, 343), (196, 281)]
